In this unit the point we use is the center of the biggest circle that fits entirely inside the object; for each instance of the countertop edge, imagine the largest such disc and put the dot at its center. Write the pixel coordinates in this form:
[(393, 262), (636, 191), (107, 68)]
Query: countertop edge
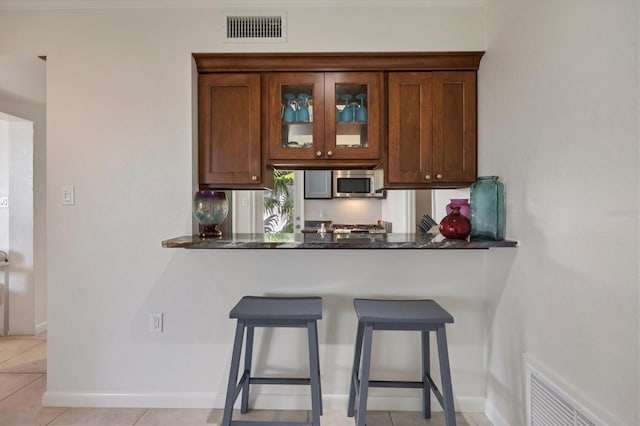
[(327, 241)]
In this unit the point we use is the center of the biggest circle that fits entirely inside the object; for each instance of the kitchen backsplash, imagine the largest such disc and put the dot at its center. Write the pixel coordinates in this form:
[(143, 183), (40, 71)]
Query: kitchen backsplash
[(343, 211)]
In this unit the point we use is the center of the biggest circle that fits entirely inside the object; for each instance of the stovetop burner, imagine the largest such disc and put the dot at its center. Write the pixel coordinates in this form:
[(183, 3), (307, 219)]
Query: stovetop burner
[(347, 228), (356, 228)]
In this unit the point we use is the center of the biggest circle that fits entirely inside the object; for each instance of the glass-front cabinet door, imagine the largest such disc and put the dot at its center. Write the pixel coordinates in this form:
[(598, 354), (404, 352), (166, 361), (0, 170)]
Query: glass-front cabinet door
[(296, 115), (325, 115), (352, 128)]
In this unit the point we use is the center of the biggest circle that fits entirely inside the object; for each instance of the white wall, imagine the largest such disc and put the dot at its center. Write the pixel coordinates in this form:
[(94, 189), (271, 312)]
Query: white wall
[(558, 121), (399, 209), (119, 100)]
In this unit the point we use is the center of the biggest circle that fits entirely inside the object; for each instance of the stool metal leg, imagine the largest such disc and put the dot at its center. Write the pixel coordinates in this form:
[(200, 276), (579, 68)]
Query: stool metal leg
[(426, 372), (233, 374), (445, 375), (355, 370), (248, 355), (361, 418), (319, 375), (314, 370)]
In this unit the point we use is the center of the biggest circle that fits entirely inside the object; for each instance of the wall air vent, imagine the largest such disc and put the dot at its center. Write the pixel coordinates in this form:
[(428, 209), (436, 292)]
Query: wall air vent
[(255, 28), (549, 405)]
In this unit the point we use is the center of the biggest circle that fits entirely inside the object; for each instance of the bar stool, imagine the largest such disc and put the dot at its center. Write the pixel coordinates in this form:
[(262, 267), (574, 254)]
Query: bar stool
[(420, 315), (254, 312)]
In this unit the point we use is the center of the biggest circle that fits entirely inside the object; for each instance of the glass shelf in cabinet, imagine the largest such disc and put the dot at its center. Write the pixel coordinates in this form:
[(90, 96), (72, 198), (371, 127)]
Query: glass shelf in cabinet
[(351, 127)]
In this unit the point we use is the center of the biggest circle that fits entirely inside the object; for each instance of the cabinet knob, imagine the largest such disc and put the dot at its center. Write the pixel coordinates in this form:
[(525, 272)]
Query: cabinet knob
[(438, 176), (254, 178), (329, 153), (427, 177), (318, 153)]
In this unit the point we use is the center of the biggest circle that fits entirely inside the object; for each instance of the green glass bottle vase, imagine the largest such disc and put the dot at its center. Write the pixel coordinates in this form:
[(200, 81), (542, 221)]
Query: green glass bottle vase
[(487, 209)]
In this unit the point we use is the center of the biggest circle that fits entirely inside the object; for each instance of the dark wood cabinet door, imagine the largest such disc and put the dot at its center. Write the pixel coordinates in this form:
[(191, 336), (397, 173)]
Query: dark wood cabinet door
[(292, 135), (432, 129), (410, 129), (454, 127), (325, 134), (229, 140), (359, 138)]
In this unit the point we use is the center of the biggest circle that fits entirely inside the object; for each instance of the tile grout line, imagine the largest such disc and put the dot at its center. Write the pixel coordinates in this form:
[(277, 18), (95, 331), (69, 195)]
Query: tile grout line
[(141, 416), (469, 420), (56, 417), (40, 375), (21, 354)]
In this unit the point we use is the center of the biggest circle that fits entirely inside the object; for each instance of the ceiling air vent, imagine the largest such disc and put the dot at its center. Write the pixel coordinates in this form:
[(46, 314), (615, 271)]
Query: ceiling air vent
[(252, 28)]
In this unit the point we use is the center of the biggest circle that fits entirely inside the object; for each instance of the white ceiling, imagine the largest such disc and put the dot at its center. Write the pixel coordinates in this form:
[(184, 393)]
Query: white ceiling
[(23, 78), (115, 4)]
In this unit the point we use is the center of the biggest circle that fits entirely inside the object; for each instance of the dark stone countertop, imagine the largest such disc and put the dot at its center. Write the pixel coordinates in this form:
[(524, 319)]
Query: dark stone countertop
[(331, 241)]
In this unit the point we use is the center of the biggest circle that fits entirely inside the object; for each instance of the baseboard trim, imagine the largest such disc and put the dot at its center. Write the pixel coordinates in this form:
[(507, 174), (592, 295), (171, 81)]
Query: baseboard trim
[(135, 400), (275, 401), (41, 328)]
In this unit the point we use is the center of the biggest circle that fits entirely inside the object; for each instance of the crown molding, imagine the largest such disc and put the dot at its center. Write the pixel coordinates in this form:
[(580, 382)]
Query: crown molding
[(199, 4)]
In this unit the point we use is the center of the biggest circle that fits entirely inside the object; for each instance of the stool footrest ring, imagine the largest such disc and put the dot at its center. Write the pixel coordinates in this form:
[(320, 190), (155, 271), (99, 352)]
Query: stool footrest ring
[(395, 384), (267, 381), (401, 384), (263, 423), (279, 381)]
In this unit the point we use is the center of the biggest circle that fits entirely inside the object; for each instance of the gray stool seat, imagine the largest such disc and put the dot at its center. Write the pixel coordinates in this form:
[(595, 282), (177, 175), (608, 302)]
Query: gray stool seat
[(252, 312), (419, 315), (278, 308), (401, 311)]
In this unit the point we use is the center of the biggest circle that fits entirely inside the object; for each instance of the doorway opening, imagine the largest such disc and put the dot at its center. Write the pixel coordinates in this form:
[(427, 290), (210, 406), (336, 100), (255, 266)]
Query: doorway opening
[(23, 292), (284, 204), (17, 294)]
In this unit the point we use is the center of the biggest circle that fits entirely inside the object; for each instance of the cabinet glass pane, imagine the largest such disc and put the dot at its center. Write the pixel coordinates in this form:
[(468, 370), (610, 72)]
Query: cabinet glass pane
[(351, 115), (297, 116)]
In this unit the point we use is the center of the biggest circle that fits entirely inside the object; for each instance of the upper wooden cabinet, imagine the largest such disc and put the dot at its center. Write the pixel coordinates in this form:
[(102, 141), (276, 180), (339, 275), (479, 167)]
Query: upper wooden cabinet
[(257, 111), (319, 118), (229, 132), (432, 129)]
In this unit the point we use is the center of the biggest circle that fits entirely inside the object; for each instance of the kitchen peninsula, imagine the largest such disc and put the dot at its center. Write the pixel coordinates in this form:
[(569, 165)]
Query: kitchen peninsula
[(331, 241), (458, 274), (340, 267)]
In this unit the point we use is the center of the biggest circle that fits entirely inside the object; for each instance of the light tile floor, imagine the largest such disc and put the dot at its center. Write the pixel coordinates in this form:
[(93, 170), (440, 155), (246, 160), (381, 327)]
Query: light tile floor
[(23, 368)]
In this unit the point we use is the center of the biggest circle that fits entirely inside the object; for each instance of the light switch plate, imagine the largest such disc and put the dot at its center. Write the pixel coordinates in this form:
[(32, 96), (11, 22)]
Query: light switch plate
[(4, 202), (68, 195), (155, 322)]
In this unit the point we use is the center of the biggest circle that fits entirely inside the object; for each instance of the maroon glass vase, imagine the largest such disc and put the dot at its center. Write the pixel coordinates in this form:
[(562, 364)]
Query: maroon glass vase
[(455, 225)]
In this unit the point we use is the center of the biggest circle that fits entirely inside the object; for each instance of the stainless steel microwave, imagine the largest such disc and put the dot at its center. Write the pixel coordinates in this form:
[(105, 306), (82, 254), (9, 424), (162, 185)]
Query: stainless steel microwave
[(358, 184)]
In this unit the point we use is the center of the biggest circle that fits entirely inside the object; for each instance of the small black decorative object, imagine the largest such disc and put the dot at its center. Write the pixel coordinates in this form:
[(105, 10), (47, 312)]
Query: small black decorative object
[(427, 223)]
